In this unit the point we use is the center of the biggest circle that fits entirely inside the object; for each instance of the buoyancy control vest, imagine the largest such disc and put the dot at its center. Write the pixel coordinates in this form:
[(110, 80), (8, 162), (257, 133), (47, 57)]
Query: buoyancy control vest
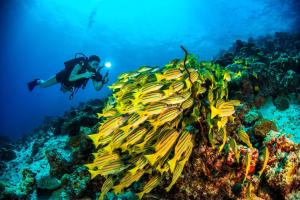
[(74, 86)]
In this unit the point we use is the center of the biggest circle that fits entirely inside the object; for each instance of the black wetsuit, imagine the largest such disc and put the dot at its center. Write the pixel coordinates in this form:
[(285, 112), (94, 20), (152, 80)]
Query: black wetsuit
[(73, 86), (63, 76)]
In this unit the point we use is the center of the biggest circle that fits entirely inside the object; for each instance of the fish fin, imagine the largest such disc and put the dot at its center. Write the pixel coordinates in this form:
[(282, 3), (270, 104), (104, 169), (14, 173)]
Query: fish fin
[(93, 174)]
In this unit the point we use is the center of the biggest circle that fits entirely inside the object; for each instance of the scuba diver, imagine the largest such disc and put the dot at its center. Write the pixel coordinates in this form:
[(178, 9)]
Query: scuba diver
[(76, 74)]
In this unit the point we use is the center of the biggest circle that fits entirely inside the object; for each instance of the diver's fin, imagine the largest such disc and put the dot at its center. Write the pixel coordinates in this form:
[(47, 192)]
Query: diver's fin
[(32, 84)]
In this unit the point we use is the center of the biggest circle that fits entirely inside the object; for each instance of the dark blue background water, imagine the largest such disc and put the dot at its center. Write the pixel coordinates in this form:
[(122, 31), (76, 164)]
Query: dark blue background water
[(38, 36)]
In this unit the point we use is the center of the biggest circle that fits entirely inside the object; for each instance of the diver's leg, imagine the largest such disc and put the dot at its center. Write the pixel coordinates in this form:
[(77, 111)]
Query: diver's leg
[(51, 81)]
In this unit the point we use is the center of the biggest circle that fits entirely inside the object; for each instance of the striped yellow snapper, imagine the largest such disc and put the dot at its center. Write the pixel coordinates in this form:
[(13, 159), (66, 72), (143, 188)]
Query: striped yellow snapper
[(134, 137), (169, 74), (187, 103), (179, 167), (134, 121), (235, 149), (163, 146), (152, 183), (127, 180), (266, 155), (149, 87), (107, 185), (245, 138), (169, 115), (184, 141)]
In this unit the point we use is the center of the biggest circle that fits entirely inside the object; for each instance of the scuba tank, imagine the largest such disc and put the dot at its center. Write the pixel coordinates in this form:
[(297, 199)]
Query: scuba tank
[(81, 59)]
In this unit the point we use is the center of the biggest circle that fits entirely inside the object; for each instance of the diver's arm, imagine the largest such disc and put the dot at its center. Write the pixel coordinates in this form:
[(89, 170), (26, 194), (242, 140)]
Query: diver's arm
[(97, 85), (74, 76)]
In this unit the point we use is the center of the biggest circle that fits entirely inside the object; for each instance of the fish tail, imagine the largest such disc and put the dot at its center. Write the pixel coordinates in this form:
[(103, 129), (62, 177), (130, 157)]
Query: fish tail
[(117, 189), (126, 129), (214, 111), (136, 95), (99, 115), (93, 174), (140, 146), (124, 147), (140, 195), (95, 138), (172, 164), (159, 77), (151, 158), (169, 187), (108, 149)]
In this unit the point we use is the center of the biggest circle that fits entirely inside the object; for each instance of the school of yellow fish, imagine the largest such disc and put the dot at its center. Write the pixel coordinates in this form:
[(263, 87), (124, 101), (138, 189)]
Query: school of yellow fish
[(150, 121)]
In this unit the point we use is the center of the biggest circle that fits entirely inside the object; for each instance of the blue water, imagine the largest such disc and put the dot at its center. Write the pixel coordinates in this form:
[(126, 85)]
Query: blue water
[(38, 36)]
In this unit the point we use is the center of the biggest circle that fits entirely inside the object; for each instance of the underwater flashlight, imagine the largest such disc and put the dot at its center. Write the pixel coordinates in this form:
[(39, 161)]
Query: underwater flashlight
[(107, 64)]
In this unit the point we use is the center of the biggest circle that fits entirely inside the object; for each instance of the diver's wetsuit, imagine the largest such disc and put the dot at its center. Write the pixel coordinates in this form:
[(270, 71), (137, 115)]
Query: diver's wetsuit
[(63, 77)]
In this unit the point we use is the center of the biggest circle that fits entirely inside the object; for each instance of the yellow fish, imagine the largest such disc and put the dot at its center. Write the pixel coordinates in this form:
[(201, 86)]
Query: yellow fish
[(152, 183), (200, 90), (222, 122), (266, 155), (144, 69), (111, 168), (223, 109), (255, 75), (139, 165), (134, 137), (245, 138), (235, 149), (149, 87), (127, 180), (108, 113), (134, 121), (107, 185), (194, 76), (107, 128), (163, 146), (169, 74), (227, 76), (210, 96), (177, 86), (179, 167), (184, 141), (116, 86), (187, 103), (155, 108), (249, 191), (150, 135), (174, 99), (99, 162), (117, 139), (169, 115), (150, 97), (248, 162)]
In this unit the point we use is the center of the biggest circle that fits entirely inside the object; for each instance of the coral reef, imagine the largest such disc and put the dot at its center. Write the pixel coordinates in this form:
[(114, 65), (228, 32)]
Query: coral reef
[(202, 145)]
